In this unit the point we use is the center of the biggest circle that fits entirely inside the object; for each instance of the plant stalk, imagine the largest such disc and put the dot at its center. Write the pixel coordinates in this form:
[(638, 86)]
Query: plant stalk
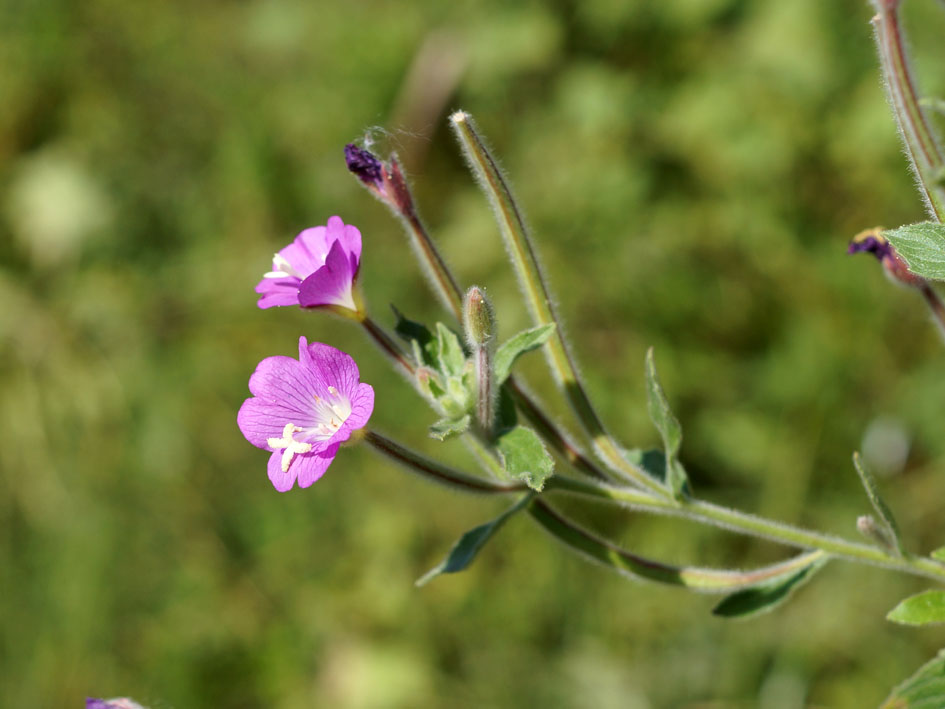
[(538, 297)]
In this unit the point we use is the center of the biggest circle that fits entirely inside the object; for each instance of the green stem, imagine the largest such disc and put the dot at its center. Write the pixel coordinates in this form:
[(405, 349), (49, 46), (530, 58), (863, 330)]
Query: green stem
[(538, 297), (748, 524), (702, 579), (694, 510), (387, 345), (919, 136), (435, 471)]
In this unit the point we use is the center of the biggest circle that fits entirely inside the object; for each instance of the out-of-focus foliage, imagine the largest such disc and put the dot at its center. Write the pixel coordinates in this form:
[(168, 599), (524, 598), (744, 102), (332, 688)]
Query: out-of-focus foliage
[(692, 170)]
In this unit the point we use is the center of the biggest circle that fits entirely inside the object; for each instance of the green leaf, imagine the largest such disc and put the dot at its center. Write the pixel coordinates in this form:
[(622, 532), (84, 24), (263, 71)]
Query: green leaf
[(465, 550), (653, 462), (523, 342), (938, 554), (666, 423), (452, 359), (923, 690), (419, 336), (445, 429), (872, 492), (524, 457), (922, 247), (767, 596), (921, 609)]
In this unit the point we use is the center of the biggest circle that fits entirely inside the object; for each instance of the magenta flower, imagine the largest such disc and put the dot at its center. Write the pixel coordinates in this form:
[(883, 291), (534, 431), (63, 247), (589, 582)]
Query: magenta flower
[(303, 409), (318, 268)]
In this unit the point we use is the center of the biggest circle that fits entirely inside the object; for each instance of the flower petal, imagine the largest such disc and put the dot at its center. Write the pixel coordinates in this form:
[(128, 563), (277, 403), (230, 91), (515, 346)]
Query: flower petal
[(281, 481), (330, 367), (311, 466), (307, 252), (362, 406), (331, 284)]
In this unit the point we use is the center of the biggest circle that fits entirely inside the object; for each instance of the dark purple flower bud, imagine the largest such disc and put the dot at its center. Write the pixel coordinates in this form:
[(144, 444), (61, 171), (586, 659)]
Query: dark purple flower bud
[(364, 166), (870, 242), (873, 242)]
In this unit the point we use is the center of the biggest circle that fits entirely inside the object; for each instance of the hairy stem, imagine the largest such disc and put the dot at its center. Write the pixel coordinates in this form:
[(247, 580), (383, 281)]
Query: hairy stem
[(922, 143), (538, 297), (750, 525), (432, 470)]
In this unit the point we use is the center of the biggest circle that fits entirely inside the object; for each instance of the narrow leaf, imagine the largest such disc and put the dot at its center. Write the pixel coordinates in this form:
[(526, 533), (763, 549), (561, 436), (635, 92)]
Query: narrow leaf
[(627, 563), (767, 596), (882, 509), (465, 550), (922, 247), (923, 690), (668, 426), (448, 428), (523, 342), (921, 609), (524, 457), (938, 554)]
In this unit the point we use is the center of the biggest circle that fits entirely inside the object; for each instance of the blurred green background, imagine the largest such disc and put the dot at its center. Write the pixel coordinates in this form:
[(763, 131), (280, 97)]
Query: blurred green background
[(693, 170)]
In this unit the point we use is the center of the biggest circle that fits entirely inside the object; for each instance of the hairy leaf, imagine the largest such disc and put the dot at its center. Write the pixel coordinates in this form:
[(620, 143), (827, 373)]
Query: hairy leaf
[(448, 428), (923, 690), (524, 457), (767, 596), (523, 342), (921, 609), (465, 550), (882, 509), (922, 246), (668, 426)]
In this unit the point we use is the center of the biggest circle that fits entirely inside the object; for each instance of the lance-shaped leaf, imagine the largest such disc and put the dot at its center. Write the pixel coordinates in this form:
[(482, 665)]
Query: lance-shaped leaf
[(444, 429), (465, 550), (923, 690), (882, 509), (938, 554), (921, 609), (524, 457), (767, 596), (635, 566), (666, 423), (922, 247), (523, 342)]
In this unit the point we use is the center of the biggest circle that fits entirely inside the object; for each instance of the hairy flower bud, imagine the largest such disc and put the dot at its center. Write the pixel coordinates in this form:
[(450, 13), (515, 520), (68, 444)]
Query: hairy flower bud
[(478, 318), (364, 166)]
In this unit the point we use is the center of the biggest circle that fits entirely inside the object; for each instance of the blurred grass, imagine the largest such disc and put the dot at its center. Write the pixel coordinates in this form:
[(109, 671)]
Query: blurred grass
[(693, 170)]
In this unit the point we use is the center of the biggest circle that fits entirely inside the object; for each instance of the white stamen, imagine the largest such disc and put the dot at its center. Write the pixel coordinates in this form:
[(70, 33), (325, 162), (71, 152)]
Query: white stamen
[(291, 446), (281, 268)]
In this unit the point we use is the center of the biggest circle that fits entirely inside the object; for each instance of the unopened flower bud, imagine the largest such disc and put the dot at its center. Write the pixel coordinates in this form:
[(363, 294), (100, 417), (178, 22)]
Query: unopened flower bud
[(364, 166), (869, 528), (478, 318), (872, 241)]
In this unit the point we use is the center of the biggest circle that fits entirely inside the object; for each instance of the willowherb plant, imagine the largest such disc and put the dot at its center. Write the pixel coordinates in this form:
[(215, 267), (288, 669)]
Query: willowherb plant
[(303, 410)]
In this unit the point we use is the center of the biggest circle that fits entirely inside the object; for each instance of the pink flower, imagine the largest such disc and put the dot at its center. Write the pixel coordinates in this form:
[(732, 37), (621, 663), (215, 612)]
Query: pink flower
[(318, 268), (303, 409)]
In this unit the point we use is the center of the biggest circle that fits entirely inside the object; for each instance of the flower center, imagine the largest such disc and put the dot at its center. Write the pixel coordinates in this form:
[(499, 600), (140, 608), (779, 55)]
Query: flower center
[(288, 445), (281, 268), (330, 412)]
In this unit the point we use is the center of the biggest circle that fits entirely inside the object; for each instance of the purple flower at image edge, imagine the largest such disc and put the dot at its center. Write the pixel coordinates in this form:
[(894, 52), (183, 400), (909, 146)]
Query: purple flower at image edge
[(118, 703), (318, 268), (303, 409)]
